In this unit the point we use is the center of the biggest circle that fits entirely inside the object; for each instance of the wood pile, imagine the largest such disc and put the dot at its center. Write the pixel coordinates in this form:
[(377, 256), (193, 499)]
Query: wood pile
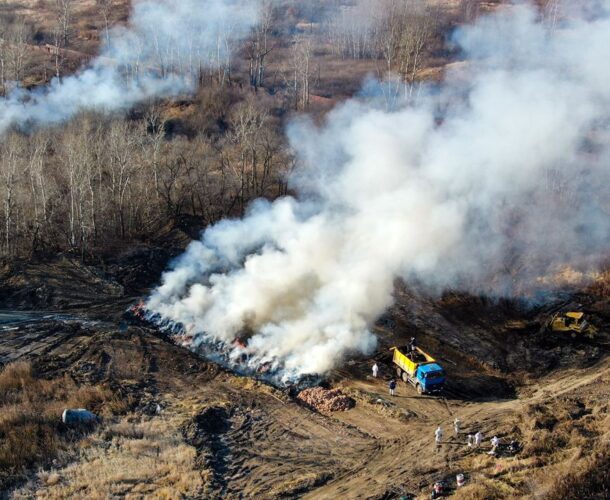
[(326, 399)]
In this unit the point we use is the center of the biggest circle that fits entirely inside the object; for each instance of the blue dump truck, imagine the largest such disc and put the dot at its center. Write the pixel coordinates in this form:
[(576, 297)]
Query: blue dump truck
[(418, 368)]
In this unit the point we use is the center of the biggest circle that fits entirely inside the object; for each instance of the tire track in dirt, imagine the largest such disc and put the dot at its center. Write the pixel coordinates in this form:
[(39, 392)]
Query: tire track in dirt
[(283, 442)]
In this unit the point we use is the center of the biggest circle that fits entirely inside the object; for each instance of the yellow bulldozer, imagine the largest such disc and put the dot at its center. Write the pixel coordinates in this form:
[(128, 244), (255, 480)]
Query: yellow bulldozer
[(573, 322)]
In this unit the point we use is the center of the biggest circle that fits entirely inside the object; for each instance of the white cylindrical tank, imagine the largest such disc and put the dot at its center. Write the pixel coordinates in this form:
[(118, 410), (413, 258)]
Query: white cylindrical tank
[(79, 416)]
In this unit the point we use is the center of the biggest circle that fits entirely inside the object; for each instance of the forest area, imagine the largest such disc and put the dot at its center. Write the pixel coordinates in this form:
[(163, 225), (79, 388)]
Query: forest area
[(97, 181)]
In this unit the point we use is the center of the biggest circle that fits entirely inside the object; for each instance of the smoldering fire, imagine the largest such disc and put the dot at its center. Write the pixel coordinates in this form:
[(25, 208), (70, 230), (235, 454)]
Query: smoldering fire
[(444, 191)]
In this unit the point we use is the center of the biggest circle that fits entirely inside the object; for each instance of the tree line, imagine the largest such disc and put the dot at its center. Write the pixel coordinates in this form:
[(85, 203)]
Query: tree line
[(102, 180)]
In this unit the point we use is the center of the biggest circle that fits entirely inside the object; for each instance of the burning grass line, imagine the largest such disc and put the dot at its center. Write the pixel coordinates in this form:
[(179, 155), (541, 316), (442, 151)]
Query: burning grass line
[(235, 358)]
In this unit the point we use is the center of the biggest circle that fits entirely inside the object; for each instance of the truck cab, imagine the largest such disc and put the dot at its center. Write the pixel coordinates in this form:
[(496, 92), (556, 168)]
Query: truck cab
[(430, 377)]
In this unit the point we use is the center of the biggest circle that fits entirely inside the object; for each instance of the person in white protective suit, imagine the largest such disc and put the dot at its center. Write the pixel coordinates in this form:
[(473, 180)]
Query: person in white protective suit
[(478, 439), (495, 442), (456, 426), (438, 435)]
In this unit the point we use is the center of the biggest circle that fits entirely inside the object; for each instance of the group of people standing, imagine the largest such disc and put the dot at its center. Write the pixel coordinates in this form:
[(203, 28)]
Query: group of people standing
[(457, 425), (473, 441)]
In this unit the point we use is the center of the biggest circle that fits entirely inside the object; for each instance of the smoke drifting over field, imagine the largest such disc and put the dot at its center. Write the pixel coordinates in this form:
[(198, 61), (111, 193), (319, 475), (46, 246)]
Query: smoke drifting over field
[(158, 54), (480, 186)]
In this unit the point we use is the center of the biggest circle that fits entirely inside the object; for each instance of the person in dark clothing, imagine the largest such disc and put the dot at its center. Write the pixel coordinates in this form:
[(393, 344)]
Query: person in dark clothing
[(392, 386), (412, 344)]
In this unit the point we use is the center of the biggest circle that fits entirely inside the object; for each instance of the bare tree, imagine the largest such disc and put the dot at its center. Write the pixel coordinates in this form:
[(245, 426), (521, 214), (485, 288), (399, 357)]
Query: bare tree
[(225, 46), (469, 10), (14, 51), (248, 121), (258, 46), (254, 155), (77, 168), (10, 169), (63, 10), (418, 27), (61, 31), (404, 31), (206, 192), (300, 60), (351, 30), (3, 48), (39, 187), (172, 191), (123, 167), (105, 8), (154, 139), (18, 50), (389, 35), (552, 10)]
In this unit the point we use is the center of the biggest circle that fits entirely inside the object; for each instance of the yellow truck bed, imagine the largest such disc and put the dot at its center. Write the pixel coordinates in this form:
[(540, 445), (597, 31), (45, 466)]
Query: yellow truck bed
[(409, 362)]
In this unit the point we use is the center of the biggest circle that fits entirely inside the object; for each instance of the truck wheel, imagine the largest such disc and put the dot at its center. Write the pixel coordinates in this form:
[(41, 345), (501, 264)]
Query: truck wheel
[(419, 388), (399, 372), (405, 377)]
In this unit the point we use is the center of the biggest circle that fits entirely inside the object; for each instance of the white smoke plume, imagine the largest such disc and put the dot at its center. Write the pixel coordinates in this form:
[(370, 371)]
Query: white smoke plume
[(158, 54), (509, 164)]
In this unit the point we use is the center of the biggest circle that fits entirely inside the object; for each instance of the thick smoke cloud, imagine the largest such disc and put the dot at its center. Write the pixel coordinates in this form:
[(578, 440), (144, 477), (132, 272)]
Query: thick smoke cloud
[(485, 184), (158, 54)]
